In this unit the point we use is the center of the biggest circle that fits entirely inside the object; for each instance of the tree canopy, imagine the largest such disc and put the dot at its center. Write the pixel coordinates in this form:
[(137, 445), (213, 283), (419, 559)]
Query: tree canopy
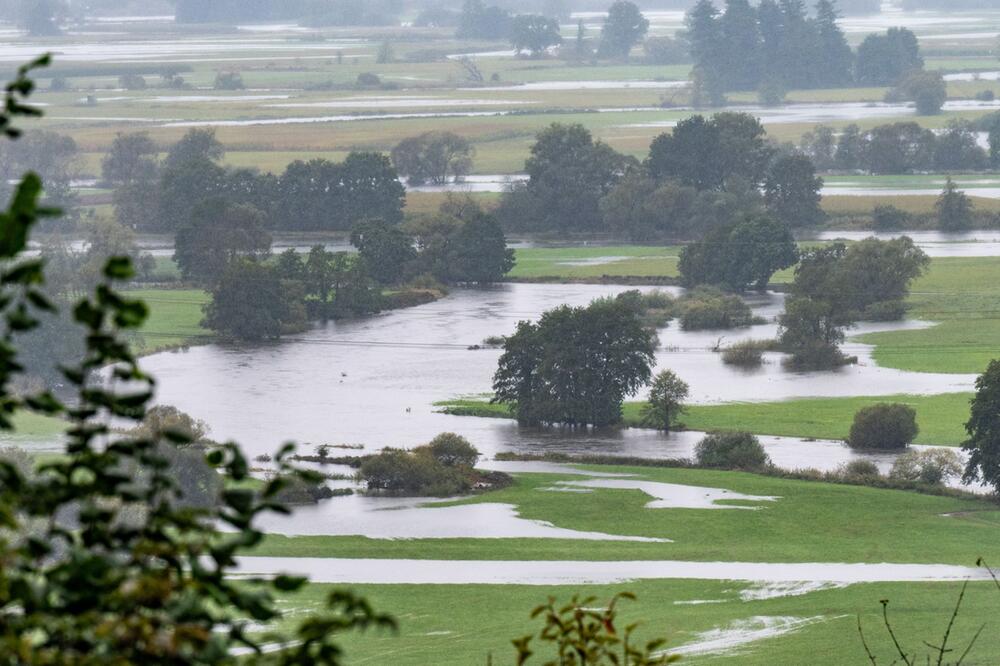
[(576, 365)]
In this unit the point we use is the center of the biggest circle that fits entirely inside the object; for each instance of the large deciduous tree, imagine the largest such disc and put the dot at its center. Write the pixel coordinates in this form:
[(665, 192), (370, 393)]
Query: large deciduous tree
[(250, 302), (792, 191), (739, 256), (434, 157), (534, 33), (217, 234), (576, 365), (624, 27)]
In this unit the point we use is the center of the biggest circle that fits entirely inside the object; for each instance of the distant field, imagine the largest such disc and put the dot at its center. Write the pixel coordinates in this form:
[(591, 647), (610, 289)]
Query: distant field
[(941, 417), (596, 262), (175, 318)]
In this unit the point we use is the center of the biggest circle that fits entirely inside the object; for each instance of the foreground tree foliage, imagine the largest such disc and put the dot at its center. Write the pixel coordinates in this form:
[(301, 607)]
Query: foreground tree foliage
[(90, 582), (576, 365), (581, 634)]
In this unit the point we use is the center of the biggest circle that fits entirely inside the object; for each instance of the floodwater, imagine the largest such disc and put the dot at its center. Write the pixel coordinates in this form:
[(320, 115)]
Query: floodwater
[(980, 243), (374, 381), (832, 112), (674, 495), (580, 572), (328, 119), (396, 102), (741, 633), (586, 85), (408, 518)]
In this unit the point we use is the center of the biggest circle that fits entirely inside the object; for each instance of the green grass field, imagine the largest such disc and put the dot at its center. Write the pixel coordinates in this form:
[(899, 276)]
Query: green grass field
[(174, 318), (941, 417), (595, 262), (470, 624), (963, 295), (811, 522)]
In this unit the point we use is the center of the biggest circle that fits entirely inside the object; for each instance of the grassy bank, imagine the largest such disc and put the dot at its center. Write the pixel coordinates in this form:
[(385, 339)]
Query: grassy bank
[(941, 417), (174, 319), (963, 296)]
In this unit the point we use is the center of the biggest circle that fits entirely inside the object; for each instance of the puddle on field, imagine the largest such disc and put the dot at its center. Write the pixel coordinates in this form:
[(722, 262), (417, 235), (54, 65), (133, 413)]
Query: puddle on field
[(762, 591), (741, 633), (674, 496), (585, 85), (581, 572), (420, 518), (332, 119), (400, 102)]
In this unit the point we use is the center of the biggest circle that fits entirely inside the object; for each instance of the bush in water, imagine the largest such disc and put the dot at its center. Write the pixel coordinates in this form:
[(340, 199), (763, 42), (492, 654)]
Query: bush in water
[(883, 426), (731, 450), (930, 467)]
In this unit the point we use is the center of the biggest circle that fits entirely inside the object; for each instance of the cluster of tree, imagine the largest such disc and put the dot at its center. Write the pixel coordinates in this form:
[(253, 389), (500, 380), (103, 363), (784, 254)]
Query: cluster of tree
[(706, 174), (443, 467), (899, 148), (255, 298), (317, 195), (433, 157), (52, 156), (623, 29), (778, 46), (698, 309), (575, 366), (837, 285), (739, 256)]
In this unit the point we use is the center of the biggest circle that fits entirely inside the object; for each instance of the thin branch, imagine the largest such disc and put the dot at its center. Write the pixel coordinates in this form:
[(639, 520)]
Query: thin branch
[(951, 623), (969, 649), (861, 632), (892, 634)]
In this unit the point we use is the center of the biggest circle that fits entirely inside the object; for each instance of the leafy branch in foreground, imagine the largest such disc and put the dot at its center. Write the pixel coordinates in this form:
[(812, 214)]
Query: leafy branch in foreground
[(583, 635), (101, 566)]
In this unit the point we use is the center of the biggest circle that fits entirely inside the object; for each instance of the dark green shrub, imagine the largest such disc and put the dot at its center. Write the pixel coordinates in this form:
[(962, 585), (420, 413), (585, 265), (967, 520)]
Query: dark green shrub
[(860, 471), (451, 450), (746, 354), (398, 472), (883, 426), (707, 308), (731, 450)]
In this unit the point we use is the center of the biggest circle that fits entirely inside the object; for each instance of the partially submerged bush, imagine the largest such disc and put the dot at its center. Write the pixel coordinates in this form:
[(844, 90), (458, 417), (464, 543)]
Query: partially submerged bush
[(883, 427), (731, 450), (709, 308), (441, 468), (817, 356), (451, 450), (746, 354), (859, 471), (933, 467)]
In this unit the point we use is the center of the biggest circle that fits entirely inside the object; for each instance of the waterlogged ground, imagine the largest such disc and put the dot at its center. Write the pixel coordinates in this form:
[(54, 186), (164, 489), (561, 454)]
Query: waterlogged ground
[(331, 384)]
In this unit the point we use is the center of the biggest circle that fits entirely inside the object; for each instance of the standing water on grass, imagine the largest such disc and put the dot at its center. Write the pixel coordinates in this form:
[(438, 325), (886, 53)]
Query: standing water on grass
[(375, 381)]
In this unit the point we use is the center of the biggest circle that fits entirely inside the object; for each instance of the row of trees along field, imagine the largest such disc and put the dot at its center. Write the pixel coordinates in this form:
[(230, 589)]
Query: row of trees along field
[(707, 173)]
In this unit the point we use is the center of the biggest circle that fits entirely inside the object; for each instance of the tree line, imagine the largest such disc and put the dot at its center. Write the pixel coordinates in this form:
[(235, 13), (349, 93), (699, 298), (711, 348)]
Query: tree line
[(708, 173), (778, 46), (904, 147), (316, 195)]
